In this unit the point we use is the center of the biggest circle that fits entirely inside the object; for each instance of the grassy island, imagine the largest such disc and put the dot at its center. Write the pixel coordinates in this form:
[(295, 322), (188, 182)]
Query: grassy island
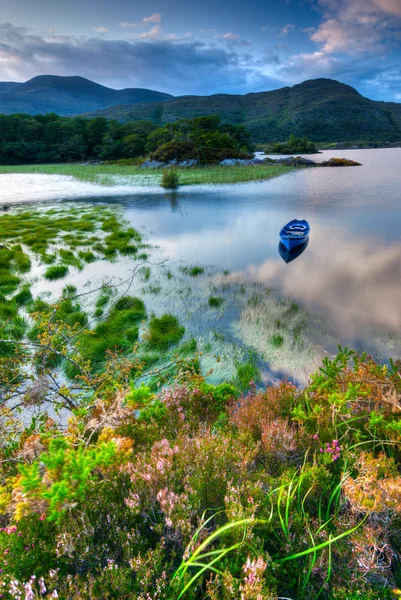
[(116, 174)]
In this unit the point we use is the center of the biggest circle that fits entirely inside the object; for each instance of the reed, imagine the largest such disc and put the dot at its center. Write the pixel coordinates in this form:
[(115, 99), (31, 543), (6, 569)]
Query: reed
[(116, 174)]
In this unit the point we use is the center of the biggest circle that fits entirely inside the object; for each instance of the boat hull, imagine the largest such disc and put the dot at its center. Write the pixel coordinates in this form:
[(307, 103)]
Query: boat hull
[(290, 242), (288, 254)]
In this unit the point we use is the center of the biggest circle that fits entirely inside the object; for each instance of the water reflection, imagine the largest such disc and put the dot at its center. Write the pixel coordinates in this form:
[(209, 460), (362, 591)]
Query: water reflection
[(289, 255), (351, 273)]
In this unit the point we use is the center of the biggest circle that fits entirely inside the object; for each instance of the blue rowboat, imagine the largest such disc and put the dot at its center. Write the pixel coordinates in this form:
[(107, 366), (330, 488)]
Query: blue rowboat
[(289, 255), (294, 233)]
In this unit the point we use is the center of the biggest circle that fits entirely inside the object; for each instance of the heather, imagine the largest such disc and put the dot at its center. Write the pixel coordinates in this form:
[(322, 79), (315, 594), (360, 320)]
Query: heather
[(206, 491)]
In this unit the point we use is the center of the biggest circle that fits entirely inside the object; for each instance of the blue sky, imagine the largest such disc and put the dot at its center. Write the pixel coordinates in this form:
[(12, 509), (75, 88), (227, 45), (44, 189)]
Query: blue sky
[(207, 46)]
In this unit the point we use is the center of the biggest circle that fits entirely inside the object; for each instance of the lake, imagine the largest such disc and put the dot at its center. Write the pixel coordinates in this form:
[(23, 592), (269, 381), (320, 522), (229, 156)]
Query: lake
[(349, 276)]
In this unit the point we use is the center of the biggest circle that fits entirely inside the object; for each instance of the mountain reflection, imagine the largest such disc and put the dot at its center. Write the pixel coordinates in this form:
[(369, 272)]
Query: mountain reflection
[(289, 255)]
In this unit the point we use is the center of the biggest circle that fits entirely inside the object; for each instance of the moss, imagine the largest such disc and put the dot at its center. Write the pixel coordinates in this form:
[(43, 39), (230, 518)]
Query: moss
[(56, 272), (164, 332)]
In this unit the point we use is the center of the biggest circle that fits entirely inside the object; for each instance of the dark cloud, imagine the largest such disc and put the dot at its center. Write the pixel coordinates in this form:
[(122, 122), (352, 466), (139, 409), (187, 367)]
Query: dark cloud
[(180, 67)]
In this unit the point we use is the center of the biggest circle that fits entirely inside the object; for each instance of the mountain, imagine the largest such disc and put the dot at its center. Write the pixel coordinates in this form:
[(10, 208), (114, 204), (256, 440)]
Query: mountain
[(68, 96), (323, 109)]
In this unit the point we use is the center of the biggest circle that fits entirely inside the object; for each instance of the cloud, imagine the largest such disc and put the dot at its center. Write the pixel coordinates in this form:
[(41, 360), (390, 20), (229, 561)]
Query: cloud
[(286, 30), (334, 36), (178, 66), (228, 36), (126, 25), (155, 18), (233, 38), (152, 34), (101, 29), (357, 26)]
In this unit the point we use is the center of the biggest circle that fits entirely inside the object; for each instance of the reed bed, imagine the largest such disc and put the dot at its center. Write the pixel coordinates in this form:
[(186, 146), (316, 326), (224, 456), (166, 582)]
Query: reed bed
[(117, 174)]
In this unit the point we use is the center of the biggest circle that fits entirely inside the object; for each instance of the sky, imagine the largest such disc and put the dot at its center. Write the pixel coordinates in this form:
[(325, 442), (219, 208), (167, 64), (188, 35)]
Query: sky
[(205, 46)]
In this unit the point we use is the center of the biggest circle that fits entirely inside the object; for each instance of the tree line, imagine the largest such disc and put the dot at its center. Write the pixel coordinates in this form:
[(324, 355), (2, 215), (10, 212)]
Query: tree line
[(51, 138)]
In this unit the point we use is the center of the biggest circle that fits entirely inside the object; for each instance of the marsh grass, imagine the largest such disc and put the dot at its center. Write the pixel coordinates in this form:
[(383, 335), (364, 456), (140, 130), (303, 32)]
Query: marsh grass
[(117, 332), (215, 301), (277, 340), (56, 272), (193, 271), (164, 332), (115, 174)]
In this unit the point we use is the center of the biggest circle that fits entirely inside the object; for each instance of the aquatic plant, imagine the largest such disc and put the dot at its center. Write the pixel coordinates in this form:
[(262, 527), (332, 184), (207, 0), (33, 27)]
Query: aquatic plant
[(164, 331), (193, 271), (215, 301), (56, 272), (170, 179)]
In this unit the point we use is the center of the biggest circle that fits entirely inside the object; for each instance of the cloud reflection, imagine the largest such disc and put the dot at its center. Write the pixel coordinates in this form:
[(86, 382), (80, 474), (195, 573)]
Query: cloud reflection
[(355, 281)]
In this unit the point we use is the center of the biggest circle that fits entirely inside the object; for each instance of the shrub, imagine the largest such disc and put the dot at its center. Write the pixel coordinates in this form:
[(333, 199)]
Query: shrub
[(170, 179), (56, 272), (177, 150)]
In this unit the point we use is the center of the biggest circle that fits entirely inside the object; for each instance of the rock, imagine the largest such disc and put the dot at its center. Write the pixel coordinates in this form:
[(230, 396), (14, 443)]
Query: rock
[(230, 162), (339, 162), (152, 164), (296, 161)]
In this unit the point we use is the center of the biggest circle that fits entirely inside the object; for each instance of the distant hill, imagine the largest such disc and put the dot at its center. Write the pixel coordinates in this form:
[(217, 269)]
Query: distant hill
[(322, 109), (68, 96)]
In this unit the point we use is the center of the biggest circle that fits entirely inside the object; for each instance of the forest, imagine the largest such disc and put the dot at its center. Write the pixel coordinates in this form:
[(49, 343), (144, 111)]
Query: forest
[(26, 139)]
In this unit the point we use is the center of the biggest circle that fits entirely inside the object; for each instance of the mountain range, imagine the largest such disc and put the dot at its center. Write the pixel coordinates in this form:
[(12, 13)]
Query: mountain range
[(325, 110), (67, 96)]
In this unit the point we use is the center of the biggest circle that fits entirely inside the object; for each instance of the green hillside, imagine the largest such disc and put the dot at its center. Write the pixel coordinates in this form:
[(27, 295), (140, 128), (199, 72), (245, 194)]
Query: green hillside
[(67, 96), (322, 109)]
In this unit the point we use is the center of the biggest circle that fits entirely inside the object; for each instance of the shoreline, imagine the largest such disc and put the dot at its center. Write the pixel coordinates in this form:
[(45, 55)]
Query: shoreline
[(115, 174)]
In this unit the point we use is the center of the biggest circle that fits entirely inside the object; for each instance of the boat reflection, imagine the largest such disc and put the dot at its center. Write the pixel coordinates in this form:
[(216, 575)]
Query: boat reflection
[(291, 254)]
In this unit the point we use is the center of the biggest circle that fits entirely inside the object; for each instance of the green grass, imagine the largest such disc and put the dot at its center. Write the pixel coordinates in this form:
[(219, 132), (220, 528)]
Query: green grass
[(117, 332), (193, 271), (110, 174), (56, 272), (277, 340), (164, 332), (246, 372), (215, 301)]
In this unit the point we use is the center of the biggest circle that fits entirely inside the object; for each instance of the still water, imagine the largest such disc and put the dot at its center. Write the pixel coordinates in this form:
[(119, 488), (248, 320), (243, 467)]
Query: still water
[(350, 273)]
